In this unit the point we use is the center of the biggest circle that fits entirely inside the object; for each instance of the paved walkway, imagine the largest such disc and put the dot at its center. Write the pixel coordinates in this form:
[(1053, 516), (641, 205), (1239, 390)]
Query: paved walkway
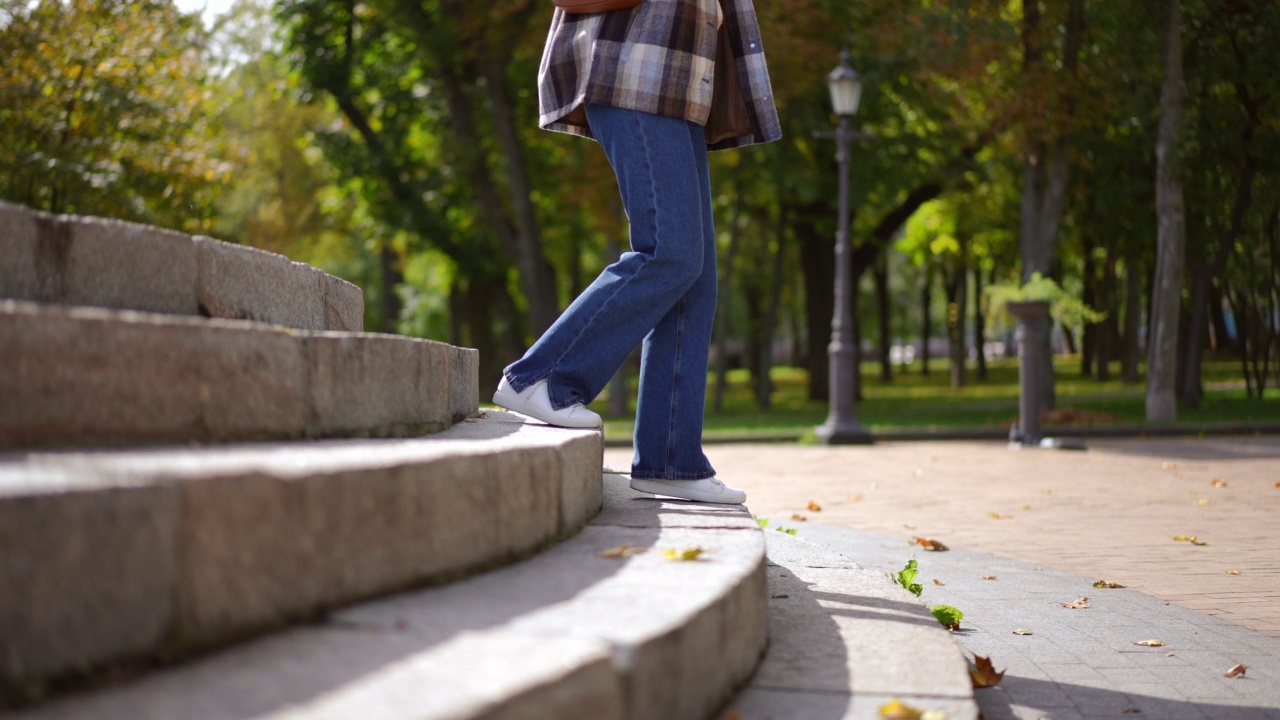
[(1047, 523)]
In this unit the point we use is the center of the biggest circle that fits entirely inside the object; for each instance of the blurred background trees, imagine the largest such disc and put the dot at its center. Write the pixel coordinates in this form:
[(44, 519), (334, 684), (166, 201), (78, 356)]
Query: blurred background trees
[(394, 143)]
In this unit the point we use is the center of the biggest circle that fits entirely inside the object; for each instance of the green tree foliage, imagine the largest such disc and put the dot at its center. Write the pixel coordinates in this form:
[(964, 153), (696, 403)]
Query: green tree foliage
[(104, 110)]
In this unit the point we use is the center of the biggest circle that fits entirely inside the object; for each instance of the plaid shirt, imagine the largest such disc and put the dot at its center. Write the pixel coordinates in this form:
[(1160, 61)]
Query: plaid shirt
[(658, 57)]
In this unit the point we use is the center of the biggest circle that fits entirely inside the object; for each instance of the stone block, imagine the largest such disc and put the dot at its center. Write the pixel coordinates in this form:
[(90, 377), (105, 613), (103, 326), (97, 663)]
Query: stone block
[(464, 383), (377, 385), (264, 548), (581, 492), (73, 260), (87, 576), (343, 305), (244, 283), (91, 376)]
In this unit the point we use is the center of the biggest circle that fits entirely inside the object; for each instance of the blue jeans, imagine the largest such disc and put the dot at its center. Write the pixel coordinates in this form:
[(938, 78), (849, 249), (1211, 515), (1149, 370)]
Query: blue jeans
[(662, 292)]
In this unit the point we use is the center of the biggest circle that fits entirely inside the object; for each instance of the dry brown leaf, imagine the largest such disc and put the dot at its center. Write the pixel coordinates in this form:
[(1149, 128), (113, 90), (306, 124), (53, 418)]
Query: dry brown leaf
[(1132, 711), (1219, 482), (1023, 631), (814, 507), (938, 582), (988, 577), (1150, 643), (1107, 585), (622, 551), (1079, 604), (930, 544), (1278, 485), (983, 673), (1233, 572), (1237, 671), (798, 517)]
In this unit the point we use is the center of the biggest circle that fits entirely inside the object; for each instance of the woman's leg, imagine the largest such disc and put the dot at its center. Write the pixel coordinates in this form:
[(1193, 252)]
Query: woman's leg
[(656, 163), (673, 365)]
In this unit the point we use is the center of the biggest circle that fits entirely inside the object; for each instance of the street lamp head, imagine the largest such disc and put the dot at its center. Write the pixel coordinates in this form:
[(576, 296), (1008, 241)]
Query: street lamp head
[(846, 87)]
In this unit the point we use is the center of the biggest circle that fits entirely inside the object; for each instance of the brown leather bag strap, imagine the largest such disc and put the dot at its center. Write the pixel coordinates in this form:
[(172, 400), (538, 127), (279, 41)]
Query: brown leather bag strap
[(580, 7)]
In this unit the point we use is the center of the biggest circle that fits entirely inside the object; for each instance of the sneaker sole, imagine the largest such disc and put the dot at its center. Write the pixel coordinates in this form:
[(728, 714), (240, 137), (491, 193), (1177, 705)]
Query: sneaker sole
[(514, 404), (672, 490)]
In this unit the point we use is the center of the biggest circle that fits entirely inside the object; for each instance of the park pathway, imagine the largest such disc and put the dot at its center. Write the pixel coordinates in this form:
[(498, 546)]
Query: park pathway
[(1046, 524)]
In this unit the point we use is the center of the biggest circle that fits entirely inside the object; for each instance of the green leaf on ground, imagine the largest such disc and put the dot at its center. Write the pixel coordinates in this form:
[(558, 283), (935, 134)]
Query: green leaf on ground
[(950, 617), (906, 577)]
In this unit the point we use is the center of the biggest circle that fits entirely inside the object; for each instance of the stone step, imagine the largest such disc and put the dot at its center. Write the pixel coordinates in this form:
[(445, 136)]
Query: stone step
[(569, 633), (88, 376), (95, 262), (845, 641), (120, 559)]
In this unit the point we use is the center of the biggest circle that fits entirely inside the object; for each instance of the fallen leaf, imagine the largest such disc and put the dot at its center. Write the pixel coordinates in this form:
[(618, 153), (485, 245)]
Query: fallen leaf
[(787, 530), (1237, 671), (622, 551), (930, 544), (856, 497), (998, 516), (1049, 491), (1202, 502), (814, 507), (1194, 540), (687, 554), (983, 673), (1169, 655), (1023, 631), (1169, 466), (1024, 507), (1132, 711), (780, 596), (1079, 604), (938, 582), (1105, 584), (988, 577), (798, 517), (1233, 572), (1150, 643), (949, 616), (1219, 482), (1278, 485), (897, 710)]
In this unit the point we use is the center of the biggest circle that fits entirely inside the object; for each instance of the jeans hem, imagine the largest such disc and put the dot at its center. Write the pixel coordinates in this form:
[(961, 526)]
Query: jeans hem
[(646, 475)]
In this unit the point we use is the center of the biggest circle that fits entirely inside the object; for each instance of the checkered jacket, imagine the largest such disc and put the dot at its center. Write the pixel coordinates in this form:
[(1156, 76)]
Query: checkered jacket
[(658, 57)]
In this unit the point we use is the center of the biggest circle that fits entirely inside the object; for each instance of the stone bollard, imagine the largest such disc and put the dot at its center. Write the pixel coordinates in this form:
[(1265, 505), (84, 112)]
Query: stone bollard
[(1033, 330)]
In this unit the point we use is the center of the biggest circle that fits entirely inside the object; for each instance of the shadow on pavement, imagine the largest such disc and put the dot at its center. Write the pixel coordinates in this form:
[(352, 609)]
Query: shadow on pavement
[(1021, 697)]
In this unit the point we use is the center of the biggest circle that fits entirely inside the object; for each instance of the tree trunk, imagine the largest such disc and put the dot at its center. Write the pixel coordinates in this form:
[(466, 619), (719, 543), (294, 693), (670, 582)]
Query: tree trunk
[(722, 309), (1132, 322), (765, 391), (819, 296), (388, 295), (881, 276), (979, 325), (926, 329), (1104, 347), (956, 312), (1162, 349), (539, 287)]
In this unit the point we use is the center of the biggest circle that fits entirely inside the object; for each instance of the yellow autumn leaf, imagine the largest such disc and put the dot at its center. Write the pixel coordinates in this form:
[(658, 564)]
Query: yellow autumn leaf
[(687, 554), (622, 551), (1150, 643), (897, 710)]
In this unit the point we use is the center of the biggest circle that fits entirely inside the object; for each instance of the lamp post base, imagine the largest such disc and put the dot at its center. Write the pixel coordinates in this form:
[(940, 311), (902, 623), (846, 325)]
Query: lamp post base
[(842, 433)]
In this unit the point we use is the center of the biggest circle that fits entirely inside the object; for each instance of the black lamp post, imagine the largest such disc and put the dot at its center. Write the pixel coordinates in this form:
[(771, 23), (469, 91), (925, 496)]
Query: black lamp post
[(841, 426)]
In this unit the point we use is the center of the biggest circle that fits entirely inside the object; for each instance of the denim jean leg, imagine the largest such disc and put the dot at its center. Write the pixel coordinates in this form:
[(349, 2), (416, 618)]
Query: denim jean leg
[(673, 366), (655, 165)]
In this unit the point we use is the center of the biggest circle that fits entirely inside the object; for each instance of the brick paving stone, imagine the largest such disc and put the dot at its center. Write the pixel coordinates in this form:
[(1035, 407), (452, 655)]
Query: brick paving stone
[(1065, 520)]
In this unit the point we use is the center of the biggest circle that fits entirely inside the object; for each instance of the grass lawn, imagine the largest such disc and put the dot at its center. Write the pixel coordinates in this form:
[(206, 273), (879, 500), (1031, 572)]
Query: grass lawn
[(917, 402)]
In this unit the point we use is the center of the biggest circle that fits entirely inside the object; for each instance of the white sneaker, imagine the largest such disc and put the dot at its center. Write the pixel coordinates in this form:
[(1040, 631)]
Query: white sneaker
[(536, 403), (709, 490)]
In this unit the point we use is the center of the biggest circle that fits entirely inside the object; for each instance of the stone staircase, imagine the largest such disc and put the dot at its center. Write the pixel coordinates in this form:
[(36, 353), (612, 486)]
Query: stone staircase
[(219, 499)]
